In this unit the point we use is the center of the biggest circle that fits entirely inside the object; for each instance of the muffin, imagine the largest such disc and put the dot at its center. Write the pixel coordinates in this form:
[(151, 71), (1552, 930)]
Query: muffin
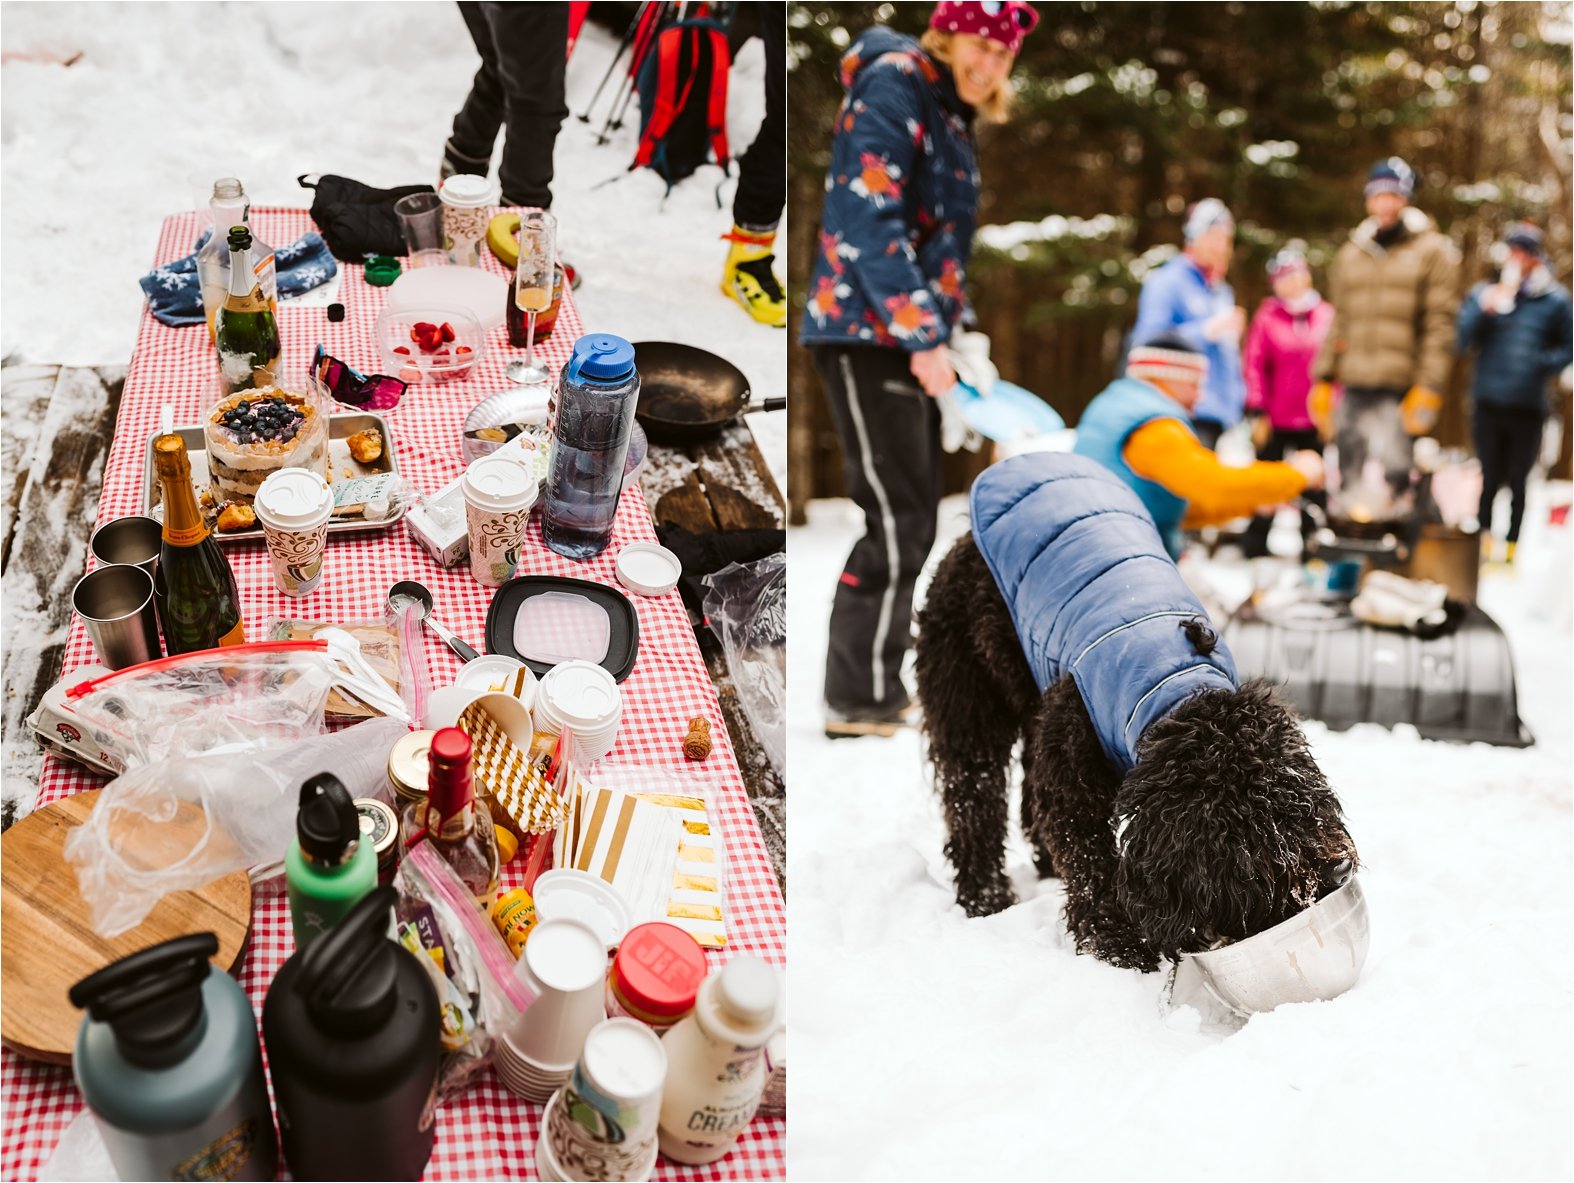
[(253, 434)]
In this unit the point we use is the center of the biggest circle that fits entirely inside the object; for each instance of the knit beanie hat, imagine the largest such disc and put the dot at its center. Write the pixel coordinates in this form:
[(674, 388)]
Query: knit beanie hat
[(1169, 358), (1391, 176), (1526, 237), (1204, 216), (1286, 261), (1005, 21)]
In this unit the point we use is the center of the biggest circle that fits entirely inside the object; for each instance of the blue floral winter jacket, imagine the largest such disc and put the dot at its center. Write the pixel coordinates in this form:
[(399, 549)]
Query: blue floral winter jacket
[(901, 201), (1093, 593)]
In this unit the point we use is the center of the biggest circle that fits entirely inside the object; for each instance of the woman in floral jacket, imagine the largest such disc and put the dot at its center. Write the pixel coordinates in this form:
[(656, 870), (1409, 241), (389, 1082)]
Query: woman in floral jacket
[(900, 208)]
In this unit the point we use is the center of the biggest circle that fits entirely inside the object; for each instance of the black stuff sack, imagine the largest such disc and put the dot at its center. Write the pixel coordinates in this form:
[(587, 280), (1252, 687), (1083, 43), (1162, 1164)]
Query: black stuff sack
[(355, 219)]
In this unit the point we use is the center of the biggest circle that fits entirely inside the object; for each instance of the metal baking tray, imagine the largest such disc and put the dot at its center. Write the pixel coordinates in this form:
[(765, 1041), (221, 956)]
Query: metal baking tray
[(340, 468)]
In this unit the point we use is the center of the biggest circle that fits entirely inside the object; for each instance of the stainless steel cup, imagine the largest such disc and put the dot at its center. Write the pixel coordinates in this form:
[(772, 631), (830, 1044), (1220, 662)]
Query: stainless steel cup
[(116, 603), (133, 541)]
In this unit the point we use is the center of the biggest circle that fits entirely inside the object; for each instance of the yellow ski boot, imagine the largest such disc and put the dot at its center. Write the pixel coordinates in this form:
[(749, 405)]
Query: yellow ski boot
[(748, 277)]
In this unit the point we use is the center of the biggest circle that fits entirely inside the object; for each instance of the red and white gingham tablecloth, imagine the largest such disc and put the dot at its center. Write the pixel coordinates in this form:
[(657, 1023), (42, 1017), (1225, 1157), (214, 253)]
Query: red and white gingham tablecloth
[(488, 1133)]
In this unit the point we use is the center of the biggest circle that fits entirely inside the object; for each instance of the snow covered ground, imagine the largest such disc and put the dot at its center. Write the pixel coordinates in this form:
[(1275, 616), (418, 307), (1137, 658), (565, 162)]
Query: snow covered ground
[(95, 155), (930, 1046)]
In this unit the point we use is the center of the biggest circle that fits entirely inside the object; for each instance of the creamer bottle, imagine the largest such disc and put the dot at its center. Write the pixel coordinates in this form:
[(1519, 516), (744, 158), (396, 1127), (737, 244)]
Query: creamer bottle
[(715, 1061)]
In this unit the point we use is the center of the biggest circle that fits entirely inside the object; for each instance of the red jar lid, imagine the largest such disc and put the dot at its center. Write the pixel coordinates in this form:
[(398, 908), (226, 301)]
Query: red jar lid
[(658, 970)]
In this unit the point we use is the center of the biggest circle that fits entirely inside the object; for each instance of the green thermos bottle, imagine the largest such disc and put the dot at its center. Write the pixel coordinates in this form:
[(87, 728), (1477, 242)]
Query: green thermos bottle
[(328, 868)]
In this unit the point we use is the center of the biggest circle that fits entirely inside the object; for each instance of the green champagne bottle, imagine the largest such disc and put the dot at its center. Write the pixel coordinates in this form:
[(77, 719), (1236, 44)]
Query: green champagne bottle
[(244, 327), (199, 605)]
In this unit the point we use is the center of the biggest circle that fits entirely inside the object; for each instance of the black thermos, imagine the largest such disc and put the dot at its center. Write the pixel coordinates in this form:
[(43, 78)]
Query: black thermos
[(353, 1037)]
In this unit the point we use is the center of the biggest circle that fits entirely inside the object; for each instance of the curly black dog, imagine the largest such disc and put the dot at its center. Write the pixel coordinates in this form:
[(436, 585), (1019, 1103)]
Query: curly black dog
[(1223, 826)]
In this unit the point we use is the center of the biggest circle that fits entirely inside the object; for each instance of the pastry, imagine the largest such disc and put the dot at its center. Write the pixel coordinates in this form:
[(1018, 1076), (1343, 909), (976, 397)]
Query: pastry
[(366, 446), (253, 434), (236, 517)]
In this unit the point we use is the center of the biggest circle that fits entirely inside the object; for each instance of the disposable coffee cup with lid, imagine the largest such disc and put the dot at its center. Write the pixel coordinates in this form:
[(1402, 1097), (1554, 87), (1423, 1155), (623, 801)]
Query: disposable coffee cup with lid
[(499, 485), (498, 494), (468, 191), (293, 506)]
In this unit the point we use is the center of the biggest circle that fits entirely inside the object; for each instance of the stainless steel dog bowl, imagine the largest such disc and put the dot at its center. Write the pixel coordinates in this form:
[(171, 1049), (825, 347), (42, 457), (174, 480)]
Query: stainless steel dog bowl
[(1315, 954)]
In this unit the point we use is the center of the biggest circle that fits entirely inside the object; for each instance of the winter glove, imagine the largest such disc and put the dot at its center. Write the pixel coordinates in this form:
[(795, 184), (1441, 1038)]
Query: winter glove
[(970, 357), (1392, 601), (955, 434), (1320, 406), (1420, 410)]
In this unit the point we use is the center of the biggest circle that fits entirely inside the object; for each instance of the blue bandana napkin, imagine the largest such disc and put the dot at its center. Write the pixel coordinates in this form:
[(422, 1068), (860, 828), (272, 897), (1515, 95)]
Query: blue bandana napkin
[(175, 291)]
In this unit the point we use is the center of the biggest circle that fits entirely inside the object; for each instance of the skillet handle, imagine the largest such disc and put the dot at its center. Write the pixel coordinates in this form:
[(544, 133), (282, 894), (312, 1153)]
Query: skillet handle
[(771, 404)]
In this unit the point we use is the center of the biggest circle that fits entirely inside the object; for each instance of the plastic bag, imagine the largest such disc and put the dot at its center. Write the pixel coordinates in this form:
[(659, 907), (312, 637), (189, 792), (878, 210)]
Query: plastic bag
[(179, 823), (747, 608), (393, 646), (217, 700), (437, 919)]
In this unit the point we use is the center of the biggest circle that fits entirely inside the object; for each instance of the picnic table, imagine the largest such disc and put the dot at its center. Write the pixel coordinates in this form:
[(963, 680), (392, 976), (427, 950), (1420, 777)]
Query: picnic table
[(488, 1132)]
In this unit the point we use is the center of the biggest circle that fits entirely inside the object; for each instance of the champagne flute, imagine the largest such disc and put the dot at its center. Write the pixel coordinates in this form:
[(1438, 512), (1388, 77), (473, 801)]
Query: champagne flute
[(533, 287)]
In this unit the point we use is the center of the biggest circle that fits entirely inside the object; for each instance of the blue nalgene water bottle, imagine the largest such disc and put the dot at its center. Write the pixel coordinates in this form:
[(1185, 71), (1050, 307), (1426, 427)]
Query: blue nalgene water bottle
[(595, 414)]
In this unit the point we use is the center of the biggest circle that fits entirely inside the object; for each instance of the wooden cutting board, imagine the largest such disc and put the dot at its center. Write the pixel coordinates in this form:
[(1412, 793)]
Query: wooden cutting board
[(47, 942)]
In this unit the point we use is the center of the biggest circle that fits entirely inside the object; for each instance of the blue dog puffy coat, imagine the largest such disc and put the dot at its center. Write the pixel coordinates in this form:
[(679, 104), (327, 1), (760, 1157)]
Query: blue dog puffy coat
[(1092, 592)]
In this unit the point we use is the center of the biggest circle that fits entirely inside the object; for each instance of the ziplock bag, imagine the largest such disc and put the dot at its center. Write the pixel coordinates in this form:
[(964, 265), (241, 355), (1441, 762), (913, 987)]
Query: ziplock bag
[(747, 608), (181, 822), (392, 646), (215, 700), (436, 918)]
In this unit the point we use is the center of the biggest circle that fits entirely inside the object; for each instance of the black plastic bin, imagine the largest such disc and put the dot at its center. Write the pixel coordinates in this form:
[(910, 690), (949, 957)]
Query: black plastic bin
[(1455, 687)]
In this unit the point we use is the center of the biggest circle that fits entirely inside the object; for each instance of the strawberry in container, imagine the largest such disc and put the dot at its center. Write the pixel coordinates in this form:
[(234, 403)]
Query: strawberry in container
[(429, 344)]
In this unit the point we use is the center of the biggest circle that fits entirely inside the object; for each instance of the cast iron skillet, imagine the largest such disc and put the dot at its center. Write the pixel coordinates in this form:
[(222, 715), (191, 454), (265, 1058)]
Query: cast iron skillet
[(686, 393)]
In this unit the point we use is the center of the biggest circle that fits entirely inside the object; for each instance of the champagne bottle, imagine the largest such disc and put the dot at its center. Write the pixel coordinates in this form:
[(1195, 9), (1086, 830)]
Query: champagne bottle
[(245, 328), (200, 605), (230, 206)]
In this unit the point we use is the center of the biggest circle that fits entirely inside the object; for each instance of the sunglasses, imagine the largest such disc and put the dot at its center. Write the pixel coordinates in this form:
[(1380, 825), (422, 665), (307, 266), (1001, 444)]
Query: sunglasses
[(375, 392)]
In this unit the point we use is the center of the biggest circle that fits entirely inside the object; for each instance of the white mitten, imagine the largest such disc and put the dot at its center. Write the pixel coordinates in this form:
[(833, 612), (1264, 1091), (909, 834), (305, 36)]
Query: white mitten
[(970, 358), (955, 434)]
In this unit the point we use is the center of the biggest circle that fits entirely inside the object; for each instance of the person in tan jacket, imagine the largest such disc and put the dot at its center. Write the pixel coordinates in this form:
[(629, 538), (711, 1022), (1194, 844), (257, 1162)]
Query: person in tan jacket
[(1394, 288)]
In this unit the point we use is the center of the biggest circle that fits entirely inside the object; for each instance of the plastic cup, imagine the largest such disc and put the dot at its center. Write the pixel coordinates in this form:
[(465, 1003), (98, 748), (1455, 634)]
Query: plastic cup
[(608, 1128), (133, 541), (498, 494), (116, 604), (421, 219), (564, 965), (293, 506)]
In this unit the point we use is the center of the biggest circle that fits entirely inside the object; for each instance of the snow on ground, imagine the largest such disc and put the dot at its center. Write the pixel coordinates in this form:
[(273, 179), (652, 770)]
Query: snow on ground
[(97, 154), (930, 1046)]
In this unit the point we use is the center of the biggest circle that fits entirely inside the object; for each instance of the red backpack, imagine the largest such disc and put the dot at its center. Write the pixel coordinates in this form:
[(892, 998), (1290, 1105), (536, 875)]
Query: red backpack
[(683, 100)]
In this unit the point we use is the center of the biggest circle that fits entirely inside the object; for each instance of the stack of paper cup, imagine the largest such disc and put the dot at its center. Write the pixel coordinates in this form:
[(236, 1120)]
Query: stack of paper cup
[(562, 967), (293, 506), (602, 1125), (581, 697), (498, 495)]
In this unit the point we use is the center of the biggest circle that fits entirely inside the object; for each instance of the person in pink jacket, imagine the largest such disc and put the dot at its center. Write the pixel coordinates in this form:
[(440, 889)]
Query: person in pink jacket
[(1285, 335)]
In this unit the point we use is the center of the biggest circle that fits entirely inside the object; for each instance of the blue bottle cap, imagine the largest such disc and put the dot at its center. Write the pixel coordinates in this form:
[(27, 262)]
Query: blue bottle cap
[(602, 357)]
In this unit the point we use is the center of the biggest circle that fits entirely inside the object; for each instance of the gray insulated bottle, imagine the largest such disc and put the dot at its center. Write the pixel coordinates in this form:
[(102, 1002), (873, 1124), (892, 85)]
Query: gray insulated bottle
[(354, 1035), (167, 1059)]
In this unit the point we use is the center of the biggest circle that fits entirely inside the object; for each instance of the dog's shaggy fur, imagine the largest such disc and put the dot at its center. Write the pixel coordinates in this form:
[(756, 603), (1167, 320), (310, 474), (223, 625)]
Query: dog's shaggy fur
[(1224, 828)]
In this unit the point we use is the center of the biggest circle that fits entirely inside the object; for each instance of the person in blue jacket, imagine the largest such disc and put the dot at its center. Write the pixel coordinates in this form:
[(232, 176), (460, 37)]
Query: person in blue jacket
[(1189, 297), (1521, 326), (901, 203)]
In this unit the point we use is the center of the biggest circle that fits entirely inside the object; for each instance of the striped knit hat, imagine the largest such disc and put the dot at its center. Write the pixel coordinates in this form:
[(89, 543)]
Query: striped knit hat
[(1169, 359)]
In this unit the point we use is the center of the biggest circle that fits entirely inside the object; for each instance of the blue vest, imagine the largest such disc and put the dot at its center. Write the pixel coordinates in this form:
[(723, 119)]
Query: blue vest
[(1117, 411), (1092, 593)]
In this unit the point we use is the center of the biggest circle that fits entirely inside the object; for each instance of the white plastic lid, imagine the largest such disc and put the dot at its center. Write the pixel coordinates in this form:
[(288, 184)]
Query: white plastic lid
[(498, 483), (467, 190), (624, 1059), (560, 626), (293, 499), (583, 696), (567, 894), (648, 569)]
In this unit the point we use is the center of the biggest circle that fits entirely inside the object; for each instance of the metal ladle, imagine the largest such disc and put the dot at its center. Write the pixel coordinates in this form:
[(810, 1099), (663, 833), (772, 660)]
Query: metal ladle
[(409, 589)]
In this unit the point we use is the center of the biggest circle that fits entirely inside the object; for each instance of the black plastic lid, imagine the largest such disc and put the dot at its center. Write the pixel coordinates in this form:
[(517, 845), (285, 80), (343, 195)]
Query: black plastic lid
[(152, 999), (240, 238), (622, 641), (327, 821), (349, 976)]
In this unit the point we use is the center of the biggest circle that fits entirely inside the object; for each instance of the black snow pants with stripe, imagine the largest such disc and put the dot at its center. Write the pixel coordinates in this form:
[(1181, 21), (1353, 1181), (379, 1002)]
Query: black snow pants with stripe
[(890, 433)]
